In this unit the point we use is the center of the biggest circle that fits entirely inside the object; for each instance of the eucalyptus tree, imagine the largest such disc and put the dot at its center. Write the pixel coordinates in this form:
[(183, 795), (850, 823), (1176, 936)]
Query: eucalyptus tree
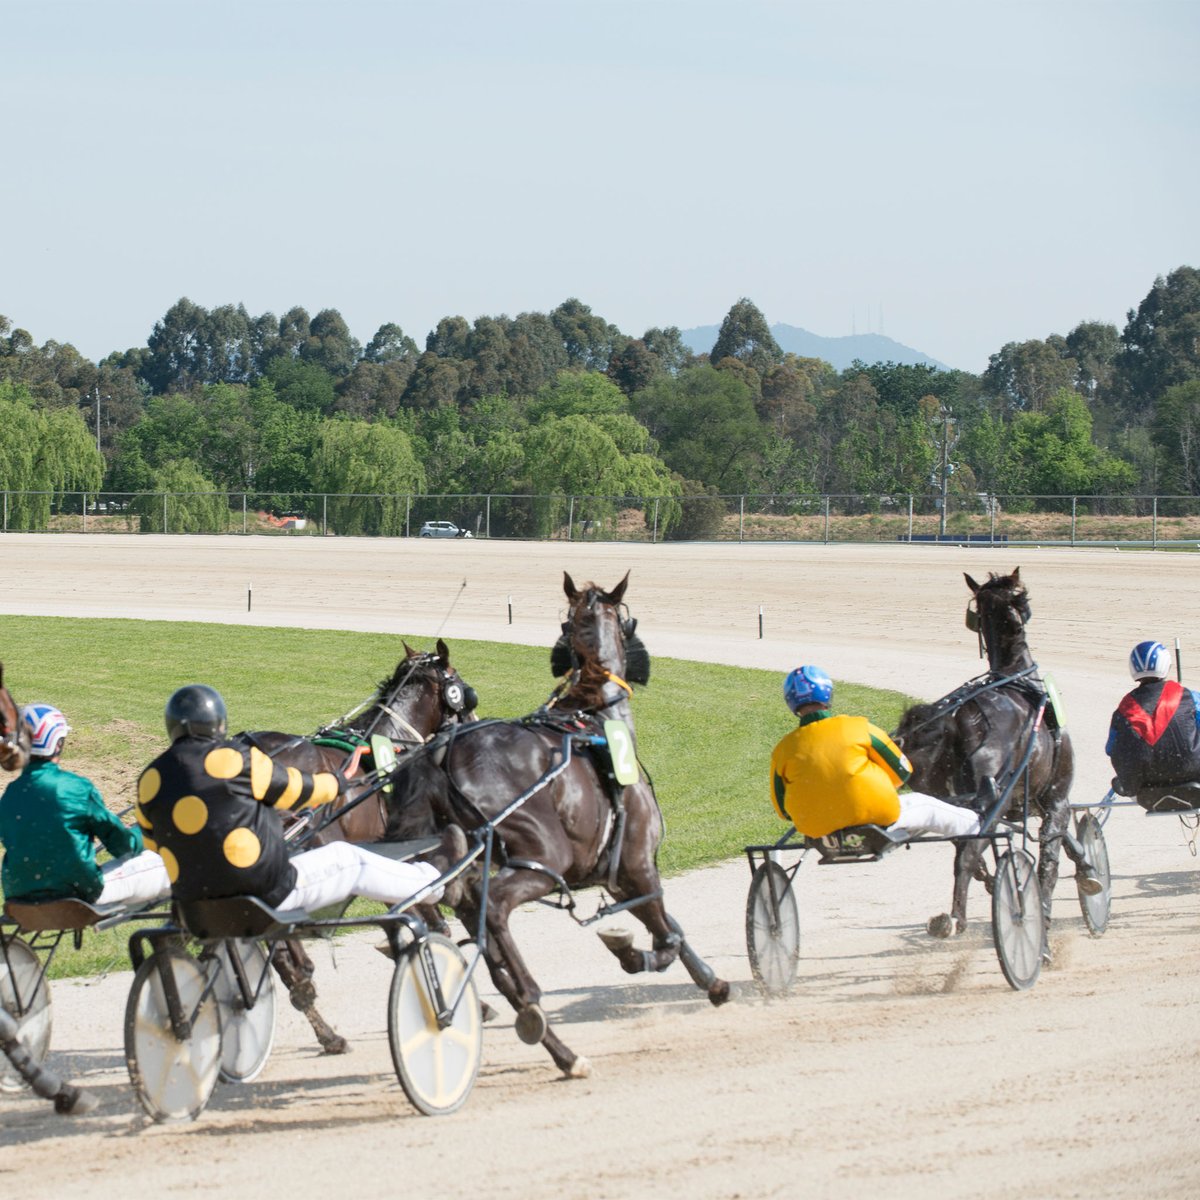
[(746, 336)]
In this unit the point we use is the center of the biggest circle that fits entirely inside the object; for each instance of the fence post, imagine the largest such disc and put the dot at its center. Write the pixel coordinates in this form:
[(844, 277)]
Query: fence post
[(1154, 527), (164, 512), (910, 518), (244, 529), (741, 518), (992, 511), (570, 518), (1074, 504), (324, 515), (827, 520), (5, 510), (488, 522), (654, 531)]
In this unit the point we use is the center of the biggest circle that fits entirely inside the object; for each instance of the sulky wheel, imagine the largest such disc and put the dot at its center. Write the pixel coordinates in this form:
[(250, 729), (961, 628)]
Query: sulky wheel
[(436, 1067), (772, 929), (1018, 925), (247, 1032), (1095, 908), (173, 1078), (25, 995)]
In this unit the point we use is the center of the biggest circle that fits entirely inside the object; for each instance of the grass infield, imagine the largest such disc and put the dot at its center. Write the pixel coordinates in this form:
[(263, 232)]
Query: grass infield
[(705, 731)]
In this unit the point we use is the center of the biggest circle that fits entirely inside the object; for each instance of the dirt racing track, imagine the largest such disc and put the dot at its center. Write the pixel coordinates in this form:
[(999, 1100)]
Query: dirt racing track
[(899, 1066)]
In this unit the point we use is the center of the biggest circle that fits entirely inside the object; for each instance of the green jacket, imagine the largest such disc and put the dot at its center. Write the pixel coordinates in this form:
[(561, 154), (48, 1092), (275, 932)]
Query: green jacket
[(48, 820)]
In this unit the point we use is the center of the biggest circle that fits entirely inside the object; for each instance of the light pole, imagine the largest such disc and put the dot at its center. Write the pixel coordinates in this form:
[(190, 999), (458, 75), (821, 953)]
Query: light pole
[(948, 438)]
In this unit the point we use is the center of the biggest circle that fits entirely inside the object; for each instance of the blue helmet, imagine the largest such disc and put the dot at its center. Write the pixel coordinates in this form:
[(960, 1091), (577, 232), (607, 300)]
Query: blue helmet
[(1149, 660), (47, 729), (807, 685)]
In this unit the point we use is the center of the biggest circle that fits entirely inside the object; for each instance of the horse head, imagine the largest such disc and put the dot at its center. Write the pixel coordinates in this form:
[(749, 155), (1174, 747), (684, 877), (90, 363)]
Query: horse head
[(1001, 610), (14, 737), (599, 645), (422, 694)]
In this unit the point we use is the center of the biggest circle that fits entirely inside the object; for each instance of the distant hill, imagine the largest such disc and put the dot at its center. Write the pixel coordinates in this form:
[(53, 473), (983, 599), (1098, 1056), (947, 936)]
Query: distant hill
[(839, 352)]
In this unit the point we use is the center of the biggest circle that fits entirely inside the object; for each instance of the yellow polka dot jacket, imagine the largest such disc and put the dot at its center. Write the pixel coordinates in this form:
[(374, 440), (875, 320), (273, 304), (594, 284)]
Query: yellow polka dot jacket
[(206, 807)]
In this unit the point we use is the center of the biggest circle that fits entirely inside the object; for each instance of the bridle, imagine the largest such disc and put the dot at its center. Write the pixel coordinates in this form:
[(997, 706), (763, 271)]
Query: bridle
[(564, 660), (455, 698)]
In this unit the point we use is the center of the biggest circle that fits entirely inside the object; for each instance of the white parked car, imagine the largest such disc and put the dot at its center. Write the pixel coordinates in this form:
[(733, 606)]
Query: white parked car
[(443, 529)]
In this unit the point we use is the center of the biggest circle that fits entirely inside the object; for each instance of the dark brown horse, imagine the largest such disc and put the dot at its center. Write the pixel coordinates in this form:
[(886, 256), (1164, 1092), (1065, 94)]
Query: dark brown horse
[(14, 737), (984, 729), (423, 695), (550, 787)]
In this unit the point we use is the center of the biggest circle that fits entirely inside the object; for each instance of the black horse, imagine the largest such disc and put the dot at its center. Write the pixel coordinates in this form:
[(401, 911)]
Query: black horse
[(983, 730), (423, 695), (550, 785)]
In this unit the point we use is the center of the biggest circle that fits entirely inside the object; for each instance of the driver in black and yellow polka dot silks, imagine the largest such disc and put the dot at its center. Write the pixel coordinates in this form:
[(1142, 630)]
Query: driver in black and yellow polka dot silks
[(205, 806)]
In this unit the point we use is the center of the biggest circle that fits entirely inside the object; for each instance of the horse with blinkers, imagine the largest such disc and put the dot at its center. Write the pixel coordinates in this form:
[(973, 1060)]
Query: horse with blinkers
[(982, 730)]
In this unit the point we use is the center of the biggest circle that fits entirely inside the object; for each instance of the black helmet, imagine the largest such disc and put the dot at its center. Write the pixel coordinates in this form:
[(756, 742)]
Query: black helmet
[(195, 711)]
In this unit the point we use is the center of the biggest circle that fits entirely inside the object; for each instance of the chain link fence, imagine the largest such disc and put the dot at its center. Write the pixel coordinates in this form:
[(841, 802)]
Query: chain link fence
[(965, 519)]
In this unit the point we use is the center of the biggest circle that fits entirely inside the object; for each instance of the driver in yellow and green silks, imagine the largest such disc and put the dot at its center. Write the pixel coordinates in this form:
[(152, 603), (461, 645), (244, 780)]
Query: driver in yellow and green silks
[(834, 772)]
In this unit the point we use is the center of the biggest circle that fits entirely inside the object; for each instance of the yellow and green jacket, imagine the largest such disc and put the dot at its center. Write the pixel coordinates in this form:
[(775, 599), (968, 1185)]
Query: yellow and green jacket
[(832, 772), (206, 807)]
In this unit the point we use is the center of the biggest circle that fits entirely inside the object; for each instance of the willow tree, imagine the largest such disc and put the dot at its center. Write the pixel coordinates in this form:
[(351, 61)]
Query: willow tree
[(368, 472), (45, 454)]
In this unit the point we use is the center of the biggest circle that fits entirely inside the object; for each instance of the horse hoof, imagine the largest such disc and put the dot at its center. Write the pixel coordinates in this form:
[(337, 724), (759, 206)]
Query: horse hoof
[(531, 1024), (335, 1045), (616, 939), (718, 993), (941, 926), (486, 1012), (579, 1069)]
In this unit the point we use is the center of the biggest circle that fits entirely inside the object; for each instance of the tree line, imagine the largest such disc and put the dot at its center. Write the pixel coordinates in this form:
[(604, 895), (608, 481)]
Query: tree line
[(566, 403)]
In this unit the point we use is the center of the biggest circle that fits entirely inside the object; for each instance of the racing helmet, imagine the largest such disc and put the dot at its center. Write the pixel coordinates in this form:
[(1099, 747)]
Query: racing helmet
[(195, 710), (807, 685), (47, 728), (1149, 660)]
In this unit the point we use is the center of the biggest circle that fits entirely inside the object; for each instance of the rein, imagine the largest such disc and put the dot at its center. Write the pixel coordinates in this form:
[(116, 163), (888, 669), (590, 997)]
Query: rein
[(970, 690)]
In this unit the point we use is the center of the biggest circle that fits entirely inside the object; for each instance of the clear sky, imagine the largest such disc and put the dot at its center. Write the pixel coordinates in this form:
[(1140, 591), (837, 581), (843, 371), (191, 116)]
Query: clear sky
[(957, 174)]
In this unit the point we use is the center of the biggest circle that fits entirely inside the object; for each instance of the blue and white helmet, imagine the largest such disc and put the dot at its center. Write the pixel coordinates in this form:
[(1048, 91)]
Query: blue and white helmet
[(807, 685), (1149, 660), (47, 729)]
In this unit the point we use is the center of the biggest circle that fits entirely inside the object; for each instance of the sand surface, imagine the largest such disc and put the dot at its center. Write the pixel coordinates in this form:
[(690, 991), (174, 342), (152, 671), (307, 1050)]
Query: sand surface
[(898, 1066)]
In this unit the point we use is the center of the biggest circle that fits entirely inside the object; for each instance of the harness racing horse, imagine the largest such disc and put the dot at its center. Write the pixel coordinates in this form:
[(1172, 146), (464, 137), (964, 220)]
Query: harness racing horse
[(550, 788), (423, 695), (15, 744), (983, 729)]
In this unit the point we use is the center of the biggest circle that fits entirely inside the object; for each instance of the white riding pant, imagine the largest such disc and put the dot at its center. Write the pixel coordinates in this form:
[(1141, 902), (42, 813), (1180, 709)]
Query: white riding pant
[(927, 814), (136, 880), (330, 874)]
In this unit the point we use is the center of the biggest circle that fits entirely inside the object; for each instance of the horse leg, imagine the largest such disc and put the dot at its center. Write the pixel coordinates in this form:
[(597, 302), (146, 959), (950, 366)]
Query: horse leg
[(295, 969), (639, 877), (507, 891), (1054, 830), (968, 859)]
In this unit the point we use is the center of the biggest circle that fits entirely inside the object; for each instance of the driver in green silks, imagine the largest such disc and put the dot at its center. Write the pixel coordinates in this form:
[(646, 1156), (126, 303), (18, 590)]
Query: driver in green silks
[(835, 772)]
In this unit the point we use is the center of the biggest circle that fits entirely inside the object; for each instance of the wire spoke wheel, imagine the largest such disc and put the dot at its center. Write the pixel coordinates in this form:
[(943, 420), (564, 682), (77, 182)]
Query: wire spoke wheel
[(247, 1033), (1018, 925), (436, 1067), (25, 995), (772, 929), (173, 1078), (1095, 907)]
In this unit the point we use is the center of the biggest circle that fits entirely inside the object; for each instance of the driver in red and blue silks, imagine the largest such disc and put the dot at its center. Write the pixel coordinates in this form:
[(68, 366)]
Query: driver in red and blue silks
[(1154, 736)]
